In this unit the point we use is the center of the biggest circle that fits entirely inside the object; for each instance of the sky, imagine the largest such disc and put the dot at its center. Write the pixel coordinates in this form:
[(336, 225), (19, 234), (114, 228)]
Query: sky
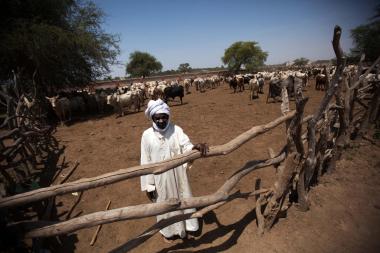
[(198, 32)]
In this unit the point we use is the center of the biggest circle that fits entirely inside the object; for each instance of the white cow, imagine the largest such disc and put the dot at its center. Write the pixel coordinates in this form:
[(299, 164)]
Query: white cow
[(120, 102), (61, 107), (253, 88), (199, 84), (187, 83)]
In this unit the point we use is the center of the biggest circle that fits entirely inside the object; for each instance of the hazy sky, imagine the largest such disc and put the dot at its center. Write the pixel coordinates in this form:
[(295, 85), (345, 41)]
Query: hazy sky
[(198, 32)]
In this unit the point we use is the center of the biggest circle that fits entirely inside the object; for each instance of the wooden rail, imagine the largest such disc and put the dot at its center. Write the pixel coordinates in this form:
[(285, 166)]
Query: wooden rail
[(136, 171)]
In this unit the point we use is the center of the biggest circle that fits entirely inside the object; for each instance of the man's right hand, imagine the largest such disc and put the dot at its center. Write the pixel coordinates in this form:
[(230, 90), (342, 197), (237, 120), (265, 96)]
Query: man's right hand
[(201, 147)]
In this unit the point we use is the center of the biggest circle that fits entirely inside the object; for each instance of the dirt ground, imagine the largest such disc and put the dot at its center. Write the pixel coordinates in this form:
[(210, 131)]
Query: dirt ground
[(345, 206)]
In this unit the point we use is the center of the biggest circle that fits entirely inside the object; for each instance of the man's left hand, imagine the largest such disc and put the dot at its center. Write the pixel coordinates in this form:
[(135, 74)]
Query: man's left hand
[(202, 147)]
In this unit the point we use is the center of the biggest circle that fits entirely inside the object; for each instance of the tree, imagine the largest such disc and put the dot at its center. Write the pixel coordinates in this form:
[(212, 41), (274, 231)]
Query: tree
[(142, 64), (301, 61), (184, 67), (244, 53), (366, 38), (59, 42)]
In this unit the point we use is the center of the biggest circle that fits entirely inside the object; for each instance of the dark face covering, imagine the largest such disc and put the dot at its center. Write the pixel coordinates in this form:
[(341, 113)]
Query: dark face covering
[(161, 120)]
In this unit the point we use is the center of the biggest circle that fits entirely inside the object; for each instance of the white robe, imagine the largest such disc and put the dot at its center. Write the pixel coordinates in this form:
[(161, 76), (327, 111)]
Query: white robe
[(156, 147)]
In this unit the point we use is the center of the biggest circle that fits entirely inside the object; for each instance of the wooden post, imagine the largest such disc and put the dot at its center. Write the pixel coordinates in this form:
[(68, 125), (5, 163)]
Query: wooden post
[(293, 161), (311, 156)]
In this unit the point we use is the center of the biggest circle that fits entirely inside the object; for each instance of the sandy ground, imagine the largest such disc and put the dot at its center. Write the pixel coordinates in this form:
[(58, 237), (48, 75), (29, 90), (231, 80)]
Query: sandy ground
[(345, 210)]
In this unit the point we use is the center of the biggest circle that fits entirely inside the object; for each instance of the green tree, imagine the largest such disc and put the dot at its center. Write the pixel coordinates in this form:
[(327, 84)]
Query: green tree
[(244, 53), (366, 38), (142, 64), (184, 67), (301, 61), (60, 41)]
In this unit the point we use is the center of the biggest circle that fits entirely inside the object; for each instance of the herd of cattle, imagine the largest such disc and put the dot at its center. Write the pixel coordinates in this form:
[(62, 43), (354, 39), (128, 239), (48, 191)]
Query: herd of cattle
[(133, 96), (125, 97)]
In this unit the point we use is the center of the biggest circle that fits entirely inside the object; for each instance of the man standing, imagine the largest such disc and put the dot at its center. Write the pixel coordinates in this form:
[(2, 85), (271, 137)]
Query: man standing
[(160, 142)]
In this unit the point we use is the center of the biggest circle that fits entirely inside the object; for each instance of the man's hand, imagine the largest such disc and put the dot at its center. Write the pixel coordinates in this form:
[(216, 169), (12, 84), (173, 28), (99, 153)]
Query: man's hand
[(201, 147)]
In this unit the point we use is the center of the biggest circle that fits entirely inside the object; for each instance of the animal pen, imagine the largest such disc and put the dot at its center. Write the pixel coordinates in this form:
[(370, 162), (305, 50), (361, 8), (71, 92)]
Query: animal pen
[(314, 144)]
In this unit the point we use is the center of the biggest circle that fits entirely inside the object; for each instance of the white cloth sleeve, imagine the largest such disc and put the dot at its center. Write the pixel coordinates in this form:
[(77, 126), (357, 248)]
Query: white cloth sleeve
[(184, 141), (147, 181)]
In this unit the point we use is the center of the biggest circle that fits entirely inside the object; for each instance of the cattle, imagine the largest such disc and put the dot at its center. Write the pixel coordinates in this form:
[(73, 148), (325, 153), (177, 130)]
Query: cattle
[(151, 83), (174, 82), (90, 102), (209, 82), (320, 82), (120, 102), (61, 107), (266, 75), (150, 92), (289, 84), (316, 71), (164, 83), (187, 83), (140, 93), (101, 100), (260, 80), (173, 92), (77, 106), (233, 83), (159, 91), (199, 84), (216, 80), (240, 82), (303, 76), (29, 104), (254, 88), (274, 88), (247, 78)]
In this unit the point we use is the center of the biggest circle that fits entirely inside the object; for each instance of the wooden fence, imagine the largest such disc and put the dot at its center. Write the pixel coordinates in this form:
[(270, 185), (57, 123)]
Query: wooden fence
[(309, 152)]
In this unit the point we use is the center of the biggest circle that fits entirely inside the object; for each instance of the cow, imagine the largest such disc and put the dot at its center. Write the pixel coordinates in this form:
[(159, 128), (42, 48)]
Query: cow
[(274, 88), (90, 102), (240, 82), (199, 84), (61, 107), (122, 101), (150, 92), (187, 83), (159, 91), (209, 82), (260, 80), (77, 105), (289, 84), (101, 100), (254, 88), (247, 78), (216, 80), (320, 82), (233, 83), (304, 77), (173, 92)]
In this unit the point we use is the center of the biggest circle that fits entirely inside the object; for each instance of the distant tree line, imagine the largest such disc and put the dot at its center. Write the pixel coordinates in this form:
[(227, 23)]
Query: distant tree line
[(143, 64)]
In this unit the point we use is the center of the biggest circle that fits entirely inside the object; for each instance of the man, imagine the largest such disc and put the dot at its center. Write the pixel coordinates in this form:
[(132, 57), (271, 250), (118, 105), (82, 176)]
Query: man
[(160, 142)]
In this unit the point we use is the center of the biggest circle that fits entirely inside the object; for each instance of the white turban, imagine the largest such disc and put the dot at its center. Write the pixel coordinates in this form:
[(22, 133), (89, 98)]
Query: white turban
[(156, 106)]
